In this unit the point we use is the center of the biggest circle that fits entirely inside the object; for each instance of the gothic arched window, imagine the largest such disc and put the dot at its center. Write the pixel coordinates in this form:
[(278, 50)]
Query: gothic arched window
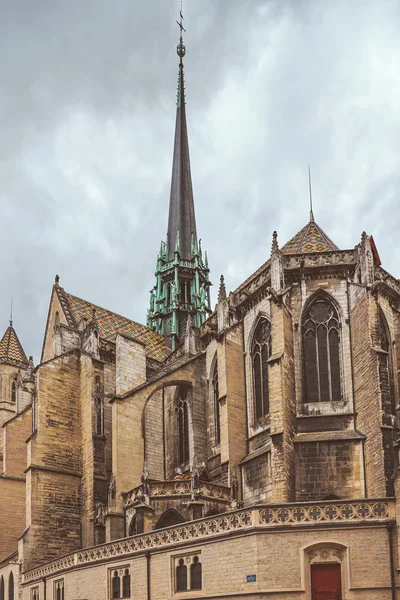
[(386, 368), (2, 588), (321, 351), (98, 407), (260, 353), (183, 425), (216, 408), (136, 525), (14, 390), (11, 587)]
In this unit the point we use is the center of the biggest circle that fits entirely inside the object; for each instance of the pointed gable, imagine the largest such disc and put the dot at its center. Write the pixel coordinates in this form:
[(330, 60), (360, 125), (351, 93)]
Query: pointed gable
[(309, 239), (11, 351), (110, 323)]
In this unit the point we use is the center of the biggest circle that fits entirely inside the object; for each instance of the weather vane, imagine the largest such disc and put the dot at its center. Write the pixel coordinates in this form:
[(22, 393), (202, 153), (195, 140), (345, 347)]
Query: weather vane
[(181, 50)]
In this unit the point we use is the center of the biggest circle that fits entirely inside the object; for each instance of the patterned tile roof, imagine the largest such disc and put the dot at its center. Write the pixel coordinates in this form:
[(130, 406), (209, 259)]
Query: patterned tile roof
[(109, 324), (11, 351), (309, 239)]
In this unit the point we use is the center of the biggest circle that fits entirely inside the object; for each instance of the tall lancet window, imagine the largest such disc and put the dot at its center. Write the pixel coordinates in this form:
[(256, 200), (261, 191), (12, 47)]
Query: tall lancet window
[(260, 353), (321, 352), (216, 408), (386, 368), (98, 407), (14, 390), (183, 425)]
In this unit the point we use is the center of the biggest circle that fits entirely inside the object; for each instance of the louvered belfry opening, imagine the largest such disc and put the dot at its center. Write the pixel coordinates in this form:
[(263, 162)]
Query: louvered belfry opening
[(321, 352)]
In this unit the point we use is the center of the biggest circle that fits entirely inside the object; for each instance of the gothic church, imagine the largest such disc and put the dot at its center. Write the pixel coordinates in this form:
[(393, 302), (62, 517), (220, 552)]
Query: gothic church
[(246, 451)]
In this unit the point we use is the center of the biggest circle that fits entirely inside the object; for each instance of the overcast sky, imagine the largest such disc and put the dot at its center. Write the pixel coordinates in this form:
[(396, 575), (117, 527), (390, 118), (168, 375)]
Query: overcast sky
[(87, 108)]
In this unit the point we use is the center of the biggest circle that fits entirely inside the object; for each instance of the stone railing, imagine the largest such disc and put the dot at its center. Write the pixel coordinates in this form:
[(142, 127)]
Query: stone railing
[(262, 517), (177, 488)]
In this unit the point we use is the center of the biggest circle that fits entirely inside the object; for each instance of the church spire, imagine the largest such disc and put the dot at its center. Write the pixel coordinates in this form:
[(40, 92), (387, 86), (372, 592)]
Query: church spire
[(181, 219), (182, 289)]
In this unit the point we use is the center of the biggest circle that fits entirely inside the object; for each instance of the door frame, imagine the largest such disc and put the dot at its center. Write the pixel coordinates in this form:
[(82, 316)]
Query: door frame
[(325, 553)]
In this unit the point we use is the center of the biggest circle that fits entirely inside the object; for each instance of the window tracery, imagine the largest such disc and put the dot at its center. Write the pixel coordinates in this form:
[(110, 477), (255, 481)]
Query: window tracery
[(386, 380), (321, 352), (260, 353), (183, 425), (14, 390)]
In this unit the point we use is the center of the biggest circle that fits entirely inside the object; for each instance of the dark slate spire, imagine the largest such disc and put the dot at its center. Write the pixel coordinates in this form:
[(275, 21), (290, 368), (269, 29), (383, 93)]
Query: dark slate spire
[(181, 220)]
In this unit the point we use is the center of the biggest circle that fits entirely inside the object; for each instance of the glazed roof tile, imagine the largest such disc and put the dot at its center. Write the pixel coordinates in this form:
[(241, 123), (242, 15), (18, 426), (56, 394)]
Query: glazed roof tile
[(110, 323), (309, 239), (11, 351)]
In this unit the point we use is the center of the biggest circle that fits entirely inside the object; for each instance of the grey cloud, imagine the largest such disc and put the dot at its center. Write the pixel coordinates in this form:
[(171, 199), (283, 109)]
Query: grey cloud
[(87, 117)]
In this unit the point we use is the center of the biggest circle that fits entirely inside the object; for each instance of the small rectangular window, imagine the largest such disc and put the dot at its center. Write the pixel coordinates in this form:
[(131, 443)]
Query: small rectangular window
[(188, 573), (58, 591), (119, 583), (35, 593)]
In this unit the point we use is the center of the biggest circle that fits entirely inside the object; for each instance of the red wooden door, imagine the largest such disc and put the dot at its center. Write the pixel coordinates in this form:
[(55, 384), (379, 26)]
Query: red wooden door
[(326, 582)]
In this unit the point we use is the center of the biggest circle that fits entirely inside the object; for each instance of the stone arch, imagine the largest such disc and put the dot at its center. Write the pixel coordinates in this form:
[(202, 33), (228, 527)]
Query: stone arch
[(159, 428), (326, 552), (169, 518)]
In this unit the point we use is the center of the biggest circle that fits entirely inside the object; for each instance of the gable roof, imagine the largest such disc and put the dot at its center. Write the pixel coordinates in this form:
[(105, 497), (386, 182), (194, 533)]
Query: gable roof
[(110, 323), (309, 239), (11, 351)]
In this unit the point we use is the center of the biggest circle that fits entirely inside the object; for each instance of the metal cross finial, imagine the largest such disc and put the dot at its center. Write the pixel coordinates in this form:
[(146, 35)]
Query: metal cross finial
[(11, 315), (181, 50), (309, 185)]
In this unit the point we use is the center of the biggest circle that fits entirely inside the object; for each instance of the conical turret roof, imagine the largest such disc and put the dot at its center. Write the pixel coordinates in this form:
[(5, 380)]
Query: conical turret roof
[(11, 351), (309, 239)]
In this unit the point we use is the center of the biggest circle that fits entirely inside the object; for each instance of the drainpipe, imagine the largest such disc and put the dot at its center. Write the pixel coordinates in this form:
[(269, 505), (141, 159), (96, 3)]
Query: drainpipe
[(389, 528), (148, 575)]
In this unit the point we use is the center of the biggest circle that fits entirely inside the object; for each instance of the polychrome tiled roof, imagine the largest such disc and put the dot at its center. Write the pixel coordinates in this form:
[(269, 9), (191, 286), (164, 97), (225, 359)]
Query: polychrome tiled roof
[(110, 323), (11, 351), (309, 239)]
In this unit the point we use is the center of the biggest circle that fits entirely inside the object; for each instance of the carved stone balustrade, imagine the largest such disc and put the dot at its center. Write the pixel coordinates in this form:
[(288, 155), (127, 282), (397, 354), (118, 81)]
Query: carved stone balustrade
[(261, 519)]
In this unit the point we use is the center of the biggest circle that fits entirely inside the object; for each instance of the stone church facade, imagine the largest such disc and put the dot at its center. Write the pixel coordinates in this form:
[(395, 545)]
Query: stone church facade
[(250, 451)]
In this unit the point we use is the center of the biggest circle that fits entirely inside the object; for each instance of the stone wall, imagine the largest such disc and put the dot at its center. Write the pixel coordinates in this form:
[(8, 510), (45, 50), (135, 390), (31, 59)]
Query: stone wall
[(54, 464)]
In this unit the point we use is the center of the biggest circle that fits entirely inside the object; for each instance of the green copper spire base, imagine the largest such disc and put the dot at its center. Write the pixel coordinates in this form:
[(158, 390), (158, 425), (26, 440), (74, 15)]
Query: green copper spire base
[(182, 287)]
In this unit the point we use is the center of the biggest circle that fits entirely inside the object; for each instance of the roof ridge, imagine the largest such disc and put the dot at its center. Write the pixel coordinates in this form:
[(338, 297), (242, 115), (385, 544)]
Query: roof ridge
[(306, 230), (61, 293)]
